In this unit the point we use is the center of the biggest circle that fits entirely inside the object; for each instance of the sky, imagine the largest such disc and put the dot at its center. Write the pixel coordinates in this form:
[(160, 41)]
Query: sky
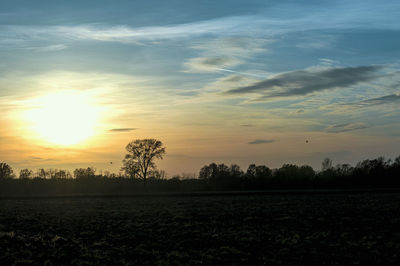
[(265, 82)]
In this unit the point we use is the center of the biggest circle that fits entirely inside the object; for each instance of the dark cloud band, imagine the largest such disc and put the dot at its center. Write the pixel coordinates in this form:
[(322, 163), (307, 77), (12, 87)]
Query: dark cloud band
[(303, 82), (261, 141)]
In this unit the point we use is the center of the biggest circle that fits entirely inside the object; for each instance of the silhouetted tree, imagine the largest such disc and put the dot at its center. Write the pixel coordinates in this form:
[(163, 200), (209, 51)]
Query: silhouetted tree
[(251, 171), (221, 176), (287, 171), (25, 174), (306, 172), (257, 175), (223, 171), (89, 172), (262, 172), (235, 171), (6, 171), (141, 155), (343, 170), (219, 171), (396, 162), (327, 170), (42, 173), (374, 166), (61, 174), (326, 164), (208, 171), (291, 175)]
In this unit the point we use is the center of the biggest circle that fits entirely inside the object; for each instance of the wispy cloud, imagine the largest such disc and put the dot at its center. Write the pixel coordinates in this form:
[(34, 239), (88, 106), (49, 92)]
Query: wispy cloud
[(327, 61), (261, 141), (124, 33), (387, 99), (49, 48), (303, 82), (206, 64), (297, 112), (338, 128), (265, 25), (36, 158), (320, 41), (223, 53)]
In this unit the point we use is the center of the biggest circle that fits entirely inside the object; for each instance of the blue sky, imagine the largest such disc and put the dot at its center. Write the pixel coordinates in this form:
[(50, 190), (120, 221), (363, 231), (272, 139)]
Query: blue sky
[(225, 81)]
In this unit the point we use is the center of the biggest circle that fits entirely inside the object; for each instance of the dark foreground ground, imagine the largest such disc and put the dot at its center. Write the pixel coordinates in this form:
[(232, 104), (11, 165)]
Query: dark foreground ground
[(292, 229)]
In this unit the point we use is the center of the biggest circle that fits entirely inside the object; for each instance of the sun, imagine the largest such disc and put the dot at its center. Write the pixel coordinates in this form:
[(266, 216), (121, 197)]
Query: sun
[(64, 117)]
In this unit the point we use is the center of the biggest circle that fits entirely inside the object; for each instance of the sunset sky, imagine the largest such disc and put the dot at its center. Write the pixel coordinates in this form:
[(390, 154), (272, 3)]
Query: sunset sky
[(217, 81)]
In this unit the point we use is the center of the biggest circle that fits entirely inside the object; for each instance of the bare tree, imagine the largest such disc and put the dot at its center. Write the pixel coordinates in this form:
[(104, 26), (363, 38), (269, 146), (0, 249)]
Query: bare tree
[(141, 156)]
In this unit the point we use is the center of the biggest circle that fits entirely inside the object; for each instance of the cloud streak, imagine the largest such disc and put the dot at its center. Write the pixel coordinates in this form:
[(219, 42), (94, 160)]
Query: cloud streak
[(261, 141), (339, 128), (49, 48), (304, 82), (247, 125), (223, 53), (387, 99), (206, 64), (119, 130)]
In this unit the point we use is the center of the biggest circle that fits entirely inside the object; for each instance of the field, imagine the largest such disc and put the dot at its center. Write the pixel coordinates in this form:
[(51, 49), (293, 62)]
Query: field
[(292, 229)]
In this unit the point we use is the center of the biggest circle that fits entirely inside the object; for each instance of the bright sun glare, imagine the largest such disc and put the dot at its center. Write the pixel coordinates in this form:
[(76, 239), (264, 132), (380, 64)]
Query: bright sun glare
[(64, 118)]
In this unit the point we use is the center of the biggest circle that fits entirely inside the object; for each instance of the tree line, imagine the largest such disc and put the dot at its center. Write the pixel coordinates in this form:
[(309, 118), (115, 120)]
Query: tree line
[(139, 173)]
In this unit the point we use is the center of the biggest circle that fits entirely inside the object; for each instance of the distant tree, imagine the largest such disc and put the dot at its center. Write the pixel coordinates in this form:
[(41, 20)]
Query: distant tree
[(223, 171), (219, 171), (80, 173), (257, 176), (374, 167), (287, 171), (251, 171), (208, 171), (42, 173), (61, 174), (52, 173), (396, 162), (326, 164), (25, 174), (306, 172), (6, 171), (235, 171), (263, 171), (258, 172), (186, 176), (157, 174), (141, 155), (344, 170)]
